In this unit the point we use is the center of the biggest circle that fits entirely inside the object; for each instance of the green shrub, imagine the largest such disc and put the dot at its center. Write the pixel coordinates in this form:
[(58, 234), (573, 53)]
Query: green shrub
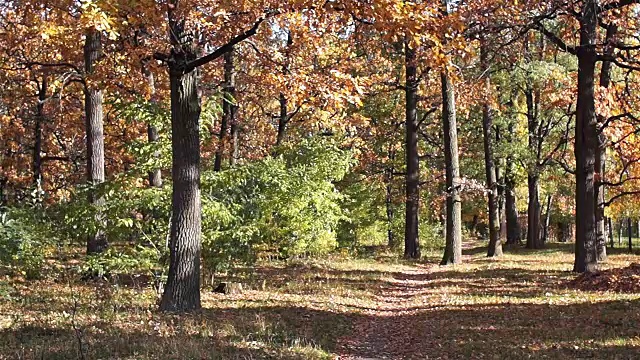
[(24, 241)]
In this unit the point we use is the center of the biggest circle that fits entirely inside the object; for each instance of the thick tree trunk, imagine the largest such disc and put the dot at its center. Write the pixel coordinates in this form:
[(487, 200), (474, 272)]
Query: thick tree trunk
[(96, 242), (453, 249), (495, 244), (586, 143), (412, 191), (182, 291), (533, 214)]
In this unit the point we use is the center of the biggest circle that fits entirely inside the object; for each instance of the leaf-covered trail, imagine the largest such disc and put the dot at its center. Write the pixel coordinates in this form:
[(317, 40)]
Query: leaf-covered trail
[(513, 308)]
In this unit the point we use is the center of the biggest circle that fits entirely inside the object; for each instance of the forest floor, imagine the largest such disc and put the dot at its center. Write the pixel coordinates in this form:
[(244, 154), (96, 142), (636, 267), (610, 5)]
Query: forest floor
[(521, 306)]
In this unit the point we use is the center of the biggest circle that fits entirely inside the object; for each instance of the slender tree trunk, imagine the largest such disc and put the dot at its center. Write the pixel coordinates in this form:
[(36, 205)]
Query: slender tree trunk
[(609, 222), (388, 199), (620, 232), (96, 242), (629, 233), (229, 105), (228, 111), (586, 143), (511, 209), (182, 291), (453, 249), (601, 151), (547, 219), (37, 143), (155, 175), (495, 245), (412, 201)]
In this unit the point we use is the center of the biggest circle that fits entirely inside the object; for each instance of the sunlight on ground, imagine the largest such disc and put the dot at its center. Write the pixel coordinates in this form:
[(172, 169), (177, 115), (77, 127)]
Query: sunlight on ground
[(517, 307)]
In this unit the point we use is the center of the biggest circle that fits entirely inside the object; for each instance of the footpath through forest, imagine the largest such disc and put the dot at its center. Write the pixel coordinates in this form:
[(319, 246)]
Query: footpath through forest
[(376, 307)]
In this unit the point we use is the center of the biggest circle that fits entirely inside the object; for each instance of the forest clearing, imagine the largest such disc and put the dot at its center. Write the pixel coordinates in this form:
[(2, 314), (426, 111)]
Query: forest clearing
[(319, 179)]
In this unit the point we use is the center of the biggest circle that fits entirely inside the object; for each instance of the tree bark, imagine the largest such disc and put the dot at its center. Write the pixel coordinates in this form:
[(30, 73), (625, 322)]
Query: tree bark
[(37, 143), (629, 233), (229, 105), (388, 199), (182, 291), (412, 181), (586, 143), (547, 219), (609, 222), (533, 214), (601, 150), (495, 244), (453, 248), (155, 175), (511, 209), (97, 242)]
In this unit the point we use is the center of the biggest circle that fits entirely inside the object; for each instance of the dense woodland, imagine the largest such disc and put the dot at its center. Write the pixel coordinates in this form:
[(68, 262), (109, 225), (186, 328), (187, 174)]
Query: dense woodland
[(181, 143)]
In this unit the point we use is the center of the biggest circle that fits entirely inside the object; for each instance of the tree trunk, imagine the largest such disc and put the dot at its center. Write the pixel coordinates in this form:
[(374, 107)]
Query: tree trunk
[(97, 242), (547, 219), (229, 105), (533, 214), (495, 245), (511, 209), (601, 151), (388, 199), (586, 143), (228, 111), (620, 233), (37, 143), (453, 249), (411, 240), (182, 291), (610, 231), (155, 175), (629, 232)]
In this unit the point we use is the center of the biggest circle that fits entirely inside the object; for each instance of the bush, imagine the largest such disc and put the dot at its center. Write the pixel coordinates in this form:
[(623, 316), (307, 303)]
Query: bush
[(24, 241), (284, 206)]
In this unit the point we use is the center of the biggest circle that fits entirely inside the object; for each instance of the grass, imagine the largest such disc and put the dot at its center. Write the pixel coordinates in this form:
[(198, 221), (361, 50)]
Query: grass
[(512, 308)]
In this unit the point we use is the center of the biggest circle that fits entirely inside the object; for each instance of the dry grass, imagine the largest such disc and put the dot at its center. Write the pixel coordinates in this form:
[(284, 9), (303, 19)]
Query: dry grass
[(516, 307)]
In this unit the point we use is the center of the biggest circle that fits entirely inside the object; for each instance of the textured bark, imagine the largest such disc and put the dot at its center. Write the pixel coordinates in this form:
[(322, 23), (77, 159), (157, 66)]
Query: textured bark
[(182, 291), (412, 183), (155, 176), (586, 142), (453, 248), (533, 214), (96, 242), (495, 243), (605, 81)]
